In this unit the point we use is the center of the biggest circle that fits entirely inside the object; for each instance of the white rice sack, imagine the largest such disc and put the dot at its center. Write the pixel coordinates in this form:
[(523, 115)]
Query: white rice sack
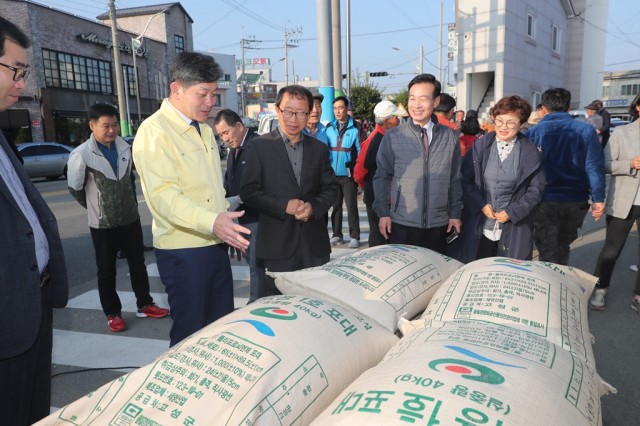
[(544, 299), (471, 374), (280, 360), (383, 282)]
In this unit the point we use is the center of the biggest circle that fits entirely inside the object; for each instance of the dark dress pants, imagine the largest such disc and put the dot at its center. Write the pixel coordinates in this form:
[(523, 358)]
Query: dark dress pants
[(375, 237), (556, 226), (106, 242), (348, 193), (25, 380), (430, 238), (616, 236), (199, 285)]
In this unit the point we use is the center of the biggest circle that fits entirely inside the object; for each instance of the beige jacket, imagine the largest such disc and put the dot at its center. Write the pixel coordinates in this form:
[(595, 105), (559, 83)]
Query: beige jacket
[(623, 146)]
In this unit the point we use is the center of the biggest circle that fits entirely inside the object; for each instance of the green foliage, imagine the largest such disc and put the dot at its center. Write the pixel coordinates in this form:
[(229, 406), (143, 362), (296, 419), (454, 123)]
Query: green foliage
[(364, 96), (401, 98)]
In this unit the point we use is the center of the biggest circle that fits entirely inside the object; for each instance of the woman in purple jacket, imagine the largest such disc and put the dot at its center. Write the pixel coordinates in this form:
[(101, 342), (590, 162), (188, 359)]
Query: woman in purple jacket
[(502, 183)]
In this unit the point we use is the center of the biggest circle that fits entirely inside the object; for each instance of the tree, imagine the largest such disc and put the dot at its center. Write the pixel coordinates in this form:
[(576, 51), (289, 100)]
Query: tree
[(364, 97), (401, 98)]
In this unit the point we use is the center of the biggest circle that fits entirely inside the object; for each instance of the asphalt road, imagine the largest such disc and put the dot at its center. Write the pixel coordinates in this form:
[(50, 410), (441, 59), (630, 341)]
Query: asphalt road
[(83, 341)]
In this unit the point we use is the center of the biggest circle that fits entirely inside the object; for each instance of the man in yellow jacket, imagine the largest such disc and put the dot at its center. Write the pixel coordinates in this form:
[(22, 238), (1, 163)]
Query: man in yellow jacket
[(177, 158)]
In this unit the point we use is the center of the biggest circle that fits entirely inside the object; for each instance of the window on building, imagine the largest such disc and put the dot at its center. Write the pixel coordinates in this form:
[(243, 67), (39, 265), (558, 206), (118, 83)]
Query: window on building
[(76, 72), (179, 41), (531, 25), (129, 76), (227, 77), (555, 39), (606, 91), (629, 89), (535, 98), (218, 99)]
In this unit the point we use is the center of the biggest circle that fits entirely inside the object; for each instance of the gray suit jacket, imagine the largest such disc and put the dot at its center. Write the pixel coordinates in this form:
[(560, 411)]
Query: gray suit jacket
[(20, 293), (623, 146)]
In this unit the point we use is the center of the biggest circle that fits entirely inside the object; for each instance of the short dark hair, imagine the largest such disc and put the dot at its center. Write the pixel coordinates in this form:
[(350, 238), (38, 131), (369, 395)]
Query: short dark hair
[(427, 78), (447, 103), (515, 105), (633, 108), (295, 91), (556, 99), (101, 110), (538, 107), (470, 126), (9, 31), (342, 99), (189, 68), (598, 103), (229, 116)]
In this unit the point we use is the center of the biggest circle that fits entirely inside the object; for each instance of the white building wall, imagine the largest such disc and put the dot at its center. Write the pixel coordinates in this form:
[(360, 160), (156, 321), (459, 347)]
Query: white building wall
[(493, 45), (227, 89)]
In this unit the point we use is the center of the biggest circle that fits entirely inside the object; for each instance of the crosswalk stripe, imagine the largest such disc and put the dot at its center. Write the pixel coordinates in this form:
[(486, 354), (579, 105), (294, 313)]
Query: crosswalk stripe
[(91, 350)]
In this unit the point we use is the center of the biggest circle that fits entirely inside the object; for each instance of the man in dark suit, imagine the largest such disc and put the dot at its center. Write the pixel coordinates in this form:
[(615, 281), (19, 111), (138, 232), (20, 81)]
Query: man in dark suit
[(232, 131), (33, 277), (289, 180)]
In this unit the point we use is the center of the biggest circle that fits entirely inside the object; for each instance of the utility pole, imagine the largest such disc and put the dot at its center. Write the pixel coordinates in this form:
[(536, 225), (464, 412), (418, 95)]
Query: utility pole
[(439, 48), (288, 34), (348, 49), (244, 44), (420, 64), (124, 126)]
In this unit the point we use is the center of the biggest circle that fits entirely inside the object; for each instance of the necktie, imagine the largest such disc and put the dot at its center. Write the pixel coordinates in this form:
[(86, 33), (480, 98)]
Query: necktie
[(425, 139), (195, 124)]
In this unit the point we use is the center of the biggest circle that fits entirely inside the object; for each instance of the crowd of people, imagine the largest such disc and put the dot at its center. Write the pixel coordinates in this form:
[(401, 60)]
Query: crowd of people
[(523, 179)]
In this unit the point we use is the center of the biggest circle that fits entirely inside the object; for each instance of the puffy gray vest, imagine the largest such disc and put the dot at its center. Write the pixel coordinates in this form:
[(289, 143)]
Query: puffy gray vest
[(500, 179)]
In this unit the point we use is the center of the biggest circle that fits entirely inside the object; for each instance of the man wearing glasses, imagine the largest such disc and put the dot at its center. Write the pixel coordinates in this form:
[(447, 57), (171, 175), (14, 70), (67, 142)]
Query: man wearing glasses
[(289, 180), (33, 277)]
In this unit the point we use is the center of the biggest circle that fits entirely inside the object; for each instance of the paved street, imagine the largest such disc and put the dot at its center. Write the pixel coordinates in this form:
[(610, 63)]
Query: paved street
[(82, 340)]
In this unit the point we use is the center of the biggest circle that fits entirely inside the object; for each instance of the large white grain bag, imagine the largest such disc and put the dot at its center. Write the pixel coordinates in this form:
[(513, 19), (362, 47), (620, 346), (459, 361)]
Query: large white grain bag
[(281, 361), (544, 299), (472, 374), (382, 282)]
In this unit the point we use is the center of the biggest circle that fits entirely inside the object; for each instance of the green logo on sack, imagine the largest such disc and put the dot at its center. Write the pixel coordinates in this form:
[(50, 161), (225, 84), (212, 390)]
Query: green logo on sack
[(275, 313)]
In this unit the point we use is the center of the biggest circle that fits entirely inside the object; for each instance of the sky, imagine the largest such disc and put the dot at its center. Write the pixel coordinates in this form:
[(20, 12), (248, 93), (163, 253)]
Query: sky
[(386, 35)]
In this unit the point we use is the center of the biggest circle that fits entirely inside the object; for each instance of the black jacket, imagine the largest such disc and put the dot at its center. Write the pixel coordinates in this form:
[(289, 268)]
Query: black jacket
[(233, 175)]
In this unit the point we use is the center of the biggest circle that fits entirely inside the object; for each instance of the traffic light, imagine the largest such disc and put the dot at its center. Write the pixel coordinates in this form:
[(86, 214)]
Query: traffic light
[(378, 74)]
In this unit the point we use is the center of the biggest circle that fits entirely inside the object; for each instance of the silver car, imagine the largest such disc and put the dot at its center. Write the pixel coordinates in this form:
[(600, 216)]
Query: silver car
[(45, 159)]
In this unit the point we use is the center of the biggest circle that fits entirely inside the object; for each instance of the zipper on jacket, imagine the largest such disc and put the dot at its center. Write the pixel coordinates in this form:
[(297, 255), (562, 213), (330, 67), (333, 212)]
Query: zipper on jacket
[(395, 207), (425, 178)]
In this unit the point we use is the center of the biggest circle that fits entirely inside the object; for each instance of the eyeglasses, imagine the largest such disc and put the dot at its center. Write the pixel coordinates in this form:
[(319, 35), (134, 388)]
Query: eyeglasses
[(300, 115), (18, 73), (510, 124)]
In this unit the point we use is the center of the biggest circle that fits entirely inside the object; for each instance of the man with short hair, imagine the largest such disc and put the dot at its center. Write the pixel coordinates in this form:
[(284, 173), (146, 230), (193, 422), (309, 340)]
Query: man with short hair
[(444, 111), (344, 143), (98, 177), (289, 180), (594, 118), (459, 118), (33, 276), (418, 186), (387, 116), (177, 158), (232, 131), (574, 168), (605, 131), (314, 127)]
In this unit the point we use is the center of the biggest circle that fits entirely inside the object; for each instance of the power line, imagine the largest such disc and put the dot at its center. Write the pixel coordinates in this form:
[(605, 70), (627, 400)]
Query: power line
[(252, 15)]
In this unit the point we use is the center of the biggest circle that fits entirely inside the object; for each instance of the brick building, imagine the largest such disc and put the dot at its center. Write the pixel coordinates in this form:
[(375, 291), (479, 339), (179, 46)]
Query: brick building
[(72, 66)]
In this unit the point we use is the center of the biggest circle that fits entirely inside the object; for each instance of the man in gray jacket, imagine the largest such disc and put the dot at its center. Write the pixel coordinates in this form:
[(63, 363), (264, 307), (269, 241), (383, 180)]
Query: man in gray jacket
[(418, 186), (98, 174)]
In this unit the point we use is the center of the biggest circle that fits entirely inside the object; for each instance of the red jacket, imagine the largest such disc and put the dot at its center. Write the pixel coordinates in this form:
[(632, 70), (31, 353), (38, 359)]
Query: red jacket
[(466, 141), (360, 172)]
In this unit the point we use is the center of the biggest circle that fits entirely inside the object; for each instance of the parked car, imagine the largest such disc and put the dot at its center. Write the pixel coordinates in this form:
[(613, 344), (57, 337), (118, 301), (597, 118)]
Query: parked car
[(615, 122), (268, 123), (45, 159)]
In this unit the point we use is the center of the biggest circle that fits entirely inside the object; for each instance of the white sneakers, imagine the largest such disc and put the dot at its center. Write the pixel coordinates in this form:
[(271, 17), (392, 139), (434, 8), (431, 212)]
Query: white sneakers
[(597, 301)]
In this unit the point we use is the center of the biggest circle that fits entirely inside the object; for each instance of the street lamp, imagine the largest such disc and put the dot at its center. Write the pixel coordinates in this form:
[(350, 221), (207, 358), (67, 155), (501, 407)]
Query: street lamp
[(135, 45), (419, 67)]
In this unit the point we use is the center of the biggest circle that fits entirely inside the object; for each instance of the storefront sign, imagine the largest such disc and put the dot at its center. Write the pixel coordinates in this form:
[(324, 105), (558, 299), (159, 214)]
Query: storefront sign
[(93, 38), (35, 123), (616, 102)]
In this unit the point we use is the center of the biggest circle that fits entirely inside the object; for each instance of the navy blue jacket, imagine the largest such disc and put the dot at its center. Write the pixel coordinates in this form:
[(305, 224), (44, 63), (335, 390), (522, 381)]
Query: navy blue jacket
[(516, 240), (573, 158), (233, 176)]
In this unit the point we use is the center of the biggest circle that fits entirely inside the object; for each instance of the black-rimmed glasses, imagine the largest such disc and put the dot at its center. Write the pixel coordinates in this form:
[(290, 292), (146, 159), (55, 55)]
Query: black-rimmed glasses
[(18, 73), (299, 115)]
